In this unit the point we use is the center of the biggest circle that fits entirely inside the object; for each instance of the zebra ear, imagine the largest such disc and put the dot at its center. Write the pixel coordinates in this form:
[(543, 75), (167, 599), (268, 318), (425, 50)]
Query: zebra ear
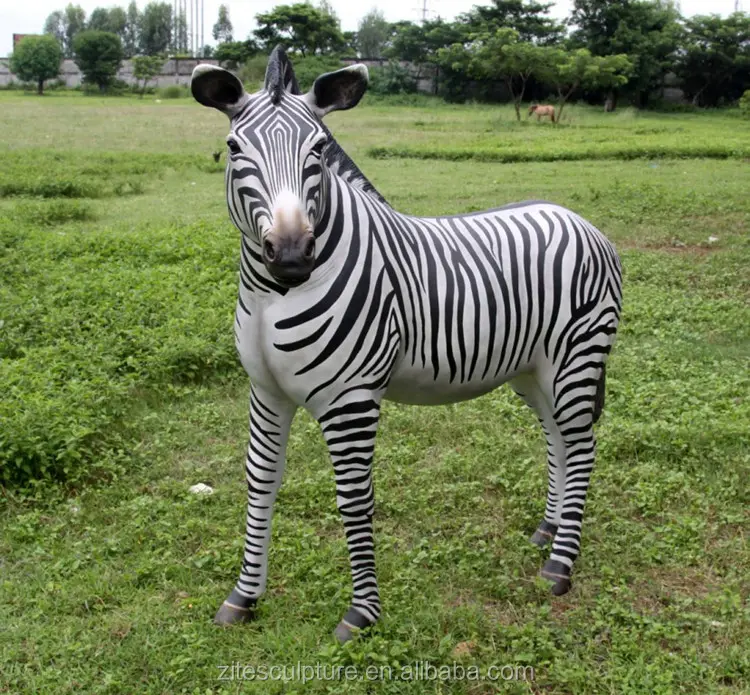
[(213, 86), (339, 90)]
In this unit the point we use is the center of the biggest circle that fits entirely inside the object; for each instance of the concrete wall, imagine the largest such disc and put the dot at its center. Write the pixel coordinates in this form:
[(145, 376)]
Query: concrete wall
[(175, 71)]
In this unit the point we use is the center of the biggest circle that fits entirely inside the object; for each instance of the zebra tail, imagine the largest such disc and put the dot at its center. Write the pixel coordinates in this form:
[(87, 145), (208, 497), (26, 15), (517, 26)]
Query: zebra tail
[(599, 396)]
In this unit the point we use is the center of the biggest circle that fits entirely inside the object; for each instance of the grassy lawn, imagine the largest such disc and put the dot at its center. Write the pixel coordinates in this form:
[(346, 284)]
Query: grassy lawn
[(118, 380)]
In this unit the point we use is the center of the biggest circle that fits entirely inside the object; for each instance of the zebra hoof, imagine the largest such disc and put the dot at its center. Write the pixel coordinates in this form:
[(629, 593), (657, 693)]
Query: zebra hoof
[(544, 535), (236, 609), (559, 574), (351, 625)]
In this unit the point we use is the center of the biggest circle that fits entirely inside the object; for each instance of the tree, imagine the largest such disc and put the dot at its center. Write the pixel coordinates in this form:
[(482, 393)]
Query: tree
[(98, 54), (235, 53), (303, 28), (648, 31), (99, 20), (54, 25), (155, 28), (715, 62), (568, 71), (130, 38), (529, 18), (503, 55), (222, 31), (64, 25), (373, 34), (36, 59), (180, 33), (419, 44), (146, 68), (75, 22)]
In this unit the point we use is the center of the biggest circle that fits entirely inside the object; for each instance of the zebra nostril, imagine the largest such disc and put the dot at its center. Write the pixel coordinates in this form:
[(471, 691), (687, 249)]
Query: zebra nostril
[(268, 251), (309, 251)]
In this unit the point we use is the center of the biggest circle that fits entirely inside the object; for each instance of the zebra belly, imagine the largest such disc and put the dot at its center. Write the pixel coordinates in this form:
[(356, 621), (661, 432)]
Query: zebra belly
[(414, 385)]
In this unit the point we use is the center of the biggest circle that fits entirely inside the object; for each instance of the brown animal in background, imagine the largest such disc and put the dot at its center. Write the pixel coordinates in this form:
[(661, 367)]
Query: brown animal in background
[(542, 110)]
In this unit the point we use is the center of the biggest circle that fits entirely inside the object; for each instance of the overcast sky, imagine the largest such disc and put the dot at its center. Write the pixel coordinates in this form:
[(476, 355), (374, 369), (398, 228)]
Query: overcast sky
[(27, 16)]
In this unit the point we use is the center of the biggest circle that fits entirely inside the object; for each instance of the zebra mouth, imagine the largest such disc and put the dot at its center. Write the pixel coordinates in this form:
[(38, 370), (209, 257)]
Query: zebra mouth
[(291, 281)]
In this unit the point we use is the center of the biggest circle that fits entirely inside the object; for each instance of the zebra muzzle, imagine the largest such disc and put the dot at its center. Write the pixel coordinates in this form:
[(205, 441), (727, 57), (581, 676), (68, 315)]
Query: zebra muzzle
[(289, 258)]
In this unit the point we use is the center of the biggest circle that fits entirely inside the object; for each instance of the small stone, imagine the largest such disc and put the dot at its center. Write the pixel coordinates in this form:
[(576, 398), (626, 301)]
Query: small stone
[(463, 649), (201, 489), (713, 239), (716, 623), (679, 244)]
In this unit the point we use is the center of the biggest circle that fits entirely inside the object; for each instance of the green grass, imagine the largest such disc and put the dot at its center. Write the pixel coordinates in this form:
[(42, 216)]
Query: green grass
[(119, 378)]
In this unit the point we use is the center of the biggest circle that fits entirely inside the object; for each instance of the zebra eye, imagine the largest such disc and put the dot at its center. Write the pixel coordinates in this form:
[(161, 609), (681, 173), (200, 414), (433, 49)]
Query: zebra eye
[(233, 146)]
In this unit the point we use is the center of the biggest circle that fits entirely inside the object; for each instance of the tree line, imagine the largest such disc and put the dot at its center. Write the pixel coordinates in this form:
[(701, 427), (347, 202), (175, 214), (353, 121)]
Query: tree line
[(609, 50)]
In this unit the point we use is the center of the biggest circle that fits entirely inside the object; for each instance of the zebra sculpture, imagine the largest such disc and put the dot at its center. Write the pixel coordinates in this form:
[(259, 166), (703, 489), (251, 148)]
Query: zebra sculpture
[(343, 302)]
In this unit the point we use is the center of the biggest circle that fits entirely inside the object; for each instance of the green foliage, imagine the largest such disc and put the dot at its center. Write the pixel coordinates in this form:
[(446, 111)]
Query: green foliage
[(49, 213), (745, 104), (113, 20), (174, 91), (301, 28), (648, 32), (309, 68), (391, 78), (131, 37), (36, 59), (147, 68), (573, 70), (98, 54), (373, 33), (529, 19), (236, 53), (155, 28), (715, 64), (222, 30), (253, 71)]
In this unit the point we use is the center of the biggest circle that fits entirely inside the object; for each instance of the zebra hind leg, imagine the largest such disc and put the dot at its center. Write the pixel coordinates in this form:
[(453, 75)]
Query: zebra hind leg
[(577, 405), (527, 387), (349, 429)]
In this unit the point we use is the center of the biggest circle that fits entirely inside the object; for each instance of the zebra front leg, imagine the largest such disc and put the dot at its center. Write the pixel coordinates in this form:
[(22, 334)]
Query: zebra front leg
[(349, 429), (270, 420)]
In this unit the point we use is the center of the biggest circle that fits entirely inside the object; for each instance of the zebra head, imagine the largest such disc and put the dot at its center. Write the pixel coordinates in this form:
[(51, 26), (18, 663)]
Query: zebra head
[(276, 166)]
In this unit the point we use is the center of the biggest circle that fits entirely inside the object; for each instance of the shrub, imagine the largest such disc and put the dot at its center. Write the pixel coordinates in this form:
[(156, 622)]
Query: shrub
[(392, 78), (308, 68), (48, 213), (174, 91), (252, 72), (745, 104), (147, 68)]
